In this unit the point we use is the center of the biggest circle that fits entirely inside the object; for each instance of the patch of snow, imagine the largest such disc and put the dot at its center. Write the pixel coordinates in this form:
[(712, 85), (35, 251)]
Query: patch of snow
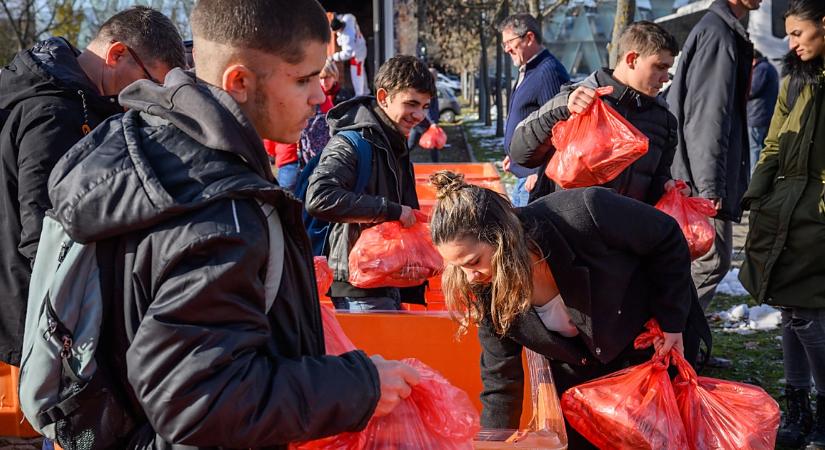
[(730, 285), (743, 320)]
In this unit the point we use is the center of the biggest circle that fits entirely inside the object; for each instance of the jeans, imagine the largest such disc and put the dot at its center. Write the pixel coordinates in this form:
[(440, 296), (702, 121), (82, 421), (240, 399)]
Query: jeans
[(520, 194), (757, 141), (392, 302), (288, 176), (709, 269), (803, 347)]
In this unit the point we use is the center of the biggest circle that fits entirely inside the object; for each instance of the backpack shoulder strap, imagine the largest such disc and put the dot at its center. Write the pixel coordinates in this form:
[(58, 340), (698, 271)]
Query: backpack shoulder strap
[(275, 265), (363, 150)]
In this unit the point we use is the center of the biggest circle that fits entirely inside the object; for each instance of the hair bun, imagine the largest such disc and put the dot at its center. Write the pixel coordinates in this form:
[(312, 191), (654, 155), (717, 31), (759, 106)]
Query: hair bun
[(446, 183)]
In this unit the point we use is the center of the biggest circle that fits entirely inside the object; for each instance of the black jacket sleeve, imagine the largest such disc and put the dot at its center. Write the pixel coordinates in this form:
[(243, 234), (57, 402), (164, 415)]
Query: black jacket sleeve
[(202, 365), (658, 241), (502, 377), (330, 194), (44, 136), (662, 174), (531, 146)]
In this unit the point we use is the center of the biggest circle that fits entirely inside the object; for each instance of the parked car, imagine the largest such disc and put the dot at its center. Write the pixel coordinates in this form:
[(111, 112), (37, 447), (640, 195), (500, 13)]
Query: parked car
[(448, 106), (451, 82)]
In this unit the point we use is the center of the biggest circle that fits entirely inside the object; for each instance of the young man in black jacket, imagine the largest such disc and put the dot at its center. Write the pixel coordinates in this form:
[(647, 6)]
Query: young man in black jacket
[(171, 192), (54, 95), (404, 88), (646, 52)]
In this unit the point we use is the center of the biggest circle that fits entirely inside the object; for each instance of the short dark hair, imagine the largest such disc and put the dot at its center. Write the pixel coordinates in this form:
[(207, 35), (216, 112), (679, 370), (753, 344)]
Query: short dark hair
[(646, 38), (401, 72), (520, 24), (148, 32), (279, 27)]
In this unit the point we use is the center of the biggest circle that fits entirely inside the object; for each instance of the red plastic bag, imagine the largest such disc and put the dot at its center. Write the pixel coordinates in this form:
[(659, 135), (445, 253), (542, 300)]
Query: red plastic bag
[(433, 138), (632, 408), (436, 415), (724, 415), (323, 275), (389, 255), (594, 147), (692, 215)]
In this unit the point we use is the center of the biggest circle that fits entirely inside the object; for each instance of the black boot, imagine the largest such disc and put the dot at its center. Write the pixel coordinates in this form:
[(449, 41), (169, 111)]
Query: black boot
[(797, 422), (816, 440)]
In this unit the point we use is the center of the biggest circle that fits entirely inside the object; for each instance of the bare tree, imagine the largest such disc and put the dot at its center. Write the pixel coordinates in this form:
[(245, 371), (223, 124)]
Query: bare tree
[(625, 12), (29, 20)]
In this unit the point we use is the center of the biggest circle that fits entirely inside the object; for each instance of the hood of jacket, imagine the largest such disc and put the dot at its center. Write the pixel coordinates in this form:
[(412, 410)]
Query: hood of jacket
[(722, 9), (354, 114), (810, 72), (622, 93), (179, 146), (49, 68)]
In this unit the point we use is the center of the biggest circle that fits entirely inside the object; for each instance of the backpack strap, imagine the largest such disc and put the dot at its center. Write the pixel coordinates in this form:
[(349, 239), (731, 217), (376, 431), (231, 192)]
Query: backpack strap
[(363, 151), (275, 265)]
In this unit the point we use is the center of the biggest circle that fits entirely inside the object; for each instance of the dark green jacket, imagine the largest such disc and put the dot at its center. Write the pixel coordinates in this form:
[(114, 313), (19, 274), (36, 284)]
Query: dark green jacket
[(785, 248)]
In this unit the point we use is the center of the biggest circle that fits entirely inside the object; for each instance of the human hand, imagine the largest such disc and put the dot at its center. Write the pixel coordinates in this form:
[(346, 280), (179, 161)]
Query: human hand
[(407, 218), (530, 182), (717, 203), (671, 184), (581, 99), (670, 340), (396, 380), (505, 163)]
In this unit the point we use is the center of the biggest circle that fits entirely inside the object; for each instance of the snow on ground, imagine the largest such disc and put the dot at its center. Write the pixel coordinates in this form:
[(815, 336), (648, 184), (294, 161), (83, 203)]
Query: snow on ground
[(730, 285), (742, 319)]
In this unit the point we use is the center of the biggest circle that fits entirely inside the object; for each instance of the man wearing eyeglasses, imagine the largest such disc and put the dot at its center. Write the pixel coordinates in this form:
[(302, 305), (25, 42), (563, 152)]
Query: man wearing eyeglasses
[(50, 97), (540, 77)]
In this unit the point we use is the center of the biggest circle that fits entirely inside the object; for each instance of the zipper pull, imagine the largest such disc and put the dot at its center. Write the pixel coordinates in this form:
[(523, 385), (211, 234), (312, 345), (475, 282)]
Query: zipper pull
[(64, 249)]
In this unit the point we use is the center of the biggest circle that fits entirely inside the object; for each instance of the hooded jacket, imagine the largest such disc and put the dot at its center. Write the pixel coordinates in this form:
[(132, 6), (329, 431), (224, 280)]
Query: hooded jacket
[(330, 193), (785, 246), (170, 190), (48, 100), (709, 96), (644, 179)]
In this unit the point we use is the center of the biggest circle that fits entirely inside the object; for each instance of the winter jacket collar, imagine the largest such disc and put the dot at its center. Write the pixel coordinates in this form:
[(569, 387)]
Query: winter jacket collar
[(722, 9), (810, 72), (622, 94), (397, 142), (50, 68), (204, 112)]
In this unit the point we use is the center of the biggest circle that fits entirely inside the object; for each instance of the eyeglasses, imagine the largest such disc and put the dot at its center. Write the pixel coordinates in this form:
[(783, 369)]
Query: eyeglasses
[(506, 43), (143, 67)]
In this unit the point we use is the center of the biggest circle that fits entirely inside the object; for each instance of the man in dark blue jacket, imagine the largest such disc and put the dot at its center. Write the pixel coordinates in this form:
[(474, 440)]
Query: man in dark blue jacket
[(540, 77), (761, 101)]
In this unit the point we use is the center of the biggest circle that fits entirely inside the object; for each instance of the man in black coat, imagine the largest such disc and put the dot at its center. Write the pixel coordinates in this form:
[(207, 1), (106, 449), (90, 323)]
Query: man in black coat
[(54, 95), (709, 98), (179, 197)]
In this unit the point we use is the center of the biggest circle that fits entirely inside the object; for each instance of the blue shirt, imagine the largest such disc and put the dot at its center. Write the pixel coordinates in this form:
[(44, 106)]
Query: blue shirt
[(543, 77)]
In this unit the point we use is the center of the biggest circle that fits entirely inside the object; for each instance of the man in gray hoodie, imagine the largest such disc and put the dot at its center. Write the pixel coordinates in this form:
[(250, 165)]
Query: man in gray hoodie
[(171, 193)]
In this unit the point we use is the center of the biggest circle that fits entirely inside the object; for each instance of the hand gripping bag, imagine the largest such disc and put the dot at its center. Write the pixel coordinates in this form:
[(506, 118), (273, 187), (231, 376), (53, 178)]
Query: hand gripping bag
[(724, 415), (692, 214), (389, 255), (434, 138), (594, 147), (634, 408), (436, 415)]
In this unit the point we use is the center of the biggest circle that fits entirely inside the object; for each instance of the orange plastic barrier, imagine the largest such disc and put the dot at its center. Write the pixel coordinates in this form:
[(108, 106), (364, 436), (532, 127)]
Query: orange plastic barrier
[(430, 337), (12, 422), (471, 171)]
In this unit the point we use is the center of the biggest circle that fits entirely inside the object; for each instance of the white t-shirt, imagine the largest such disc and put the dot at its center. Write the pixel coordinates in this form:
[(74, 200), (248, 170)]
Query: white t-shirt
[(555, 317)]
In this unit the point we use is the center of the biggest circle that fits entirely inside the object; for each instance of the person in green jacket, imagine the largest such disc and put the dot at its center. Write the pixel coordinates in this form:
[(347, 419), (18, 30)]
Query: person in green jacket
[(785, 249)]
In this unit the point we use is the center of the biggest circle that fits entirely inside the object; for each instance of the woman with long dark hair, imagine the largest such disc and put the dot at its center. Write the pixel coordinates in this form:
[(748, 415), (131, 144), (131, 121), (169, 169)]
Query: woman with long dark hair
[(785, 248), (573, 276)]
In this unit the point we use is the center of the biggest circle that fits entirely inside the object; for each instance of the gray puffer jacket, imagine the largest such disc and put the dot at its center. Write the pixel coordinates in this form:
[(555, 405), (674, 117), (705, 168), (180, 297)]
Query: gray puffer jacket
[(168, 191), (330, 195), (644, 179)]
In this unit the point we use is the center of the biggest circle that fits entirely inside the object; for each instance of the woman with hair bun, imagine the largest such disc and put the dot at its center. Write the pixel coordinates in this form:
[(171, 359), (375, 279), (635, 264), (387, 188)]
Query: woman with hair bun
[(573, 276)]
